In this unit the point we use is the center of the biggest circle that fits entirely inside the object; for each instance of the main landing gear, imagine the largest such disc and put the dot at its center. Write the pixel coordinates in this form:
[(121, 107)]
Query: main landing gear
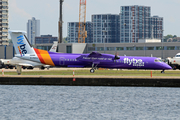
[(93, 68)]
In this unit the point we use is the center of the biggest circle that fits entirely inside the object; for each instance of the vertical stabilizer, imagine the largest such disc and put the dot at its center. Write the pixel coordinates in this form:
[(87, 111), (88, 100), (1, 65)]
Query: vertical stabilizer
[(54, 47), (21, 44)]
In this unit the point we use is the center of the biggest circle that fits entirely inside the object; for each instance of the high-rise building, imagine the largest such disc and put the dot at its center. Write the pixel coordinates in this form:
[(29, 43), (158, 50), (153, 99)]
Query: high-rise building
[(73, 32), (33, 30), (4, 22), (133, 23), (137, 23), (106, 28), (156, 27)]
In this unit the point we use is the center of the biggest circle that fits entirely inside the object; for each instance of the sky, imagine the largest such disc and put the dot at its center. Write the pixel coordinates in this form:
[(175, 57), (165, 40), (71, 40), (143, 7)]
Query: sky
[(47, 11)]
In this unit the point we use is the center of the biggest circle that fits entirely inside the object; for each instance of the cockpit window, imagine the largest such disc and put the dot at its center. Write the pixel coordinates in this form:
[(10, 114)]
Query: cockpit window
[(157, 60), (177, 56)]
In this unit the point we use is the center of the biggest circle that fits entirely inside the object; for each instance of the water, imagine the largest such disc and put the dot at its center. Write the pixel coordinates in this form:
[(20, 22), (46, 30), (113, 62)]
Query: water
[(88, 103)]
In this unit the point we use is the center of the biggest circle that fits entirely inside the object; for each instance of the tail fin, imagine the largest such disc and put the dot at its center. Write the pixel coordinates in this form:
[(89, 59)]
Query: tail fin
[(21, 44), (54, 47)]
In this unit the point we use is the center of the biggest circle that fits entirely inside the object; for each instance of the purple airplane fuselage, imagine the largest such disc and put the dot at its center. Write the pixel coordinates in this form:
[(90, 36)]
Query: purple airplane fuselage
[(107, 61), (95, 60)]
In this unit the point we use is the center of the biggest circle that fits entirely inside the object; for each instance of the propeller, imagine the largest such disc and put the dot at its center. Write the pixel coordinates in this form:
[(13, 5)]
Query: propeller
[(116, 57)]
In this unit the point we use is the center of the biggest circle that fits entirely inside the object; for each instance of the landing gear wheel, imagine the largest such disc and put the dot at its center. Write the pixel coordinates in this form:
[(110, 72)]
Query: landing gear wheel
[(174, 67), (92, 70), (162, 71)]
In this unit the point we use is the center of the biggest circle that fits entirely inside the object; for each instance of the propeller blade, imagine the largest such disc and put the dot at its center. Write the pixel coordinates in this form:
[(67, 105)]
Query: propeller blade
[(116, 57)]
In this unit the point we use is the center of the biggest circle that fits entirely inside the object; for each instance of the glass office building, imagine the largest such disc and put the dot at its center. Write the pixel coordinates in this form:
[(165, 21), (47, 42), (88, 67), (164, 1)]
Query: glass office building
[(137, 23), (73, 28), (133, 23), (155, 25), (106, 28)]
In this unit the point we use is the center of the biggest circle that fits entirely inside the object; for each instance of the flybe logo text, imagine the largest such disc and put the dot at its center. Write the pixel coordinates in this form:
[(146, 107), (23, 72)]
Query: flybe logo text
[(22, 46), (133, 61)]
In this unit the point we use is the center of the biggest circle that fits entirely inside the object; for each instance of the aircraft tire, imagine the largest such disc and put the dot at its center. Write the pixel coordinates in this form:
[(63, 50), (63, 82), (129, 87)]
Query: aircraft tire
[(11, 67), (174, 67), (6, 67), (24, 67), (42, 67), (92, 70)]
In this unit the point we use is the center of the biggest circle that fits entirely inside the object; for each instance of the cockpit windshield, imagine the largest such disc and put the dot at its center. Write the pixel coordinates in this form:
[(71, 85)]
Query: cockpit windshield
[(177, 56), (157, 60)]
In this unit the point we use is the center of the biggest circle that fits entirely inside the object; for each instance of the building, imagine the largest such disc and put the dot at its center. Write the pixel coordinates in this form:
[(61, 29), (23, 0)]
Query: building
[(155, 49), (106, 28), (133, 23), (4, 22), (33, 30), (137, 23), (45, 39), (73, 28), (155, 26)]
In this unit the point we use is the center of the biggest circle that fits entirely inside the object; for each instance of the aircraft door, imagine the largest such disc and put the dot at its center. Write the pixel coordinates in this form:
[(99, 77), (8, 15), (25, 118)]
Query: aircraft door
[(61, 61)]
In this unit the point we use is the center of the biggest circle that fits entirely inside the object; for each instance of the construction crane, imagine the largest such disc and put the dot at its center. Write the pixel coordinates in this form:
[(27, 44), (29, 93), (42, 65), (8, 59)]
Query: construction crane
[(60, 22), (82, 33)]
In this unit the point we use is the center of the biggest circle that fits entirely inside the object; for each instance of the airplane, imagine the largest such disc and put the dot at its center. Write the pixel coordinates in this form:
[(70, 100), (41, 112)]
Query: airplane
[(31, 64), (94, 60)]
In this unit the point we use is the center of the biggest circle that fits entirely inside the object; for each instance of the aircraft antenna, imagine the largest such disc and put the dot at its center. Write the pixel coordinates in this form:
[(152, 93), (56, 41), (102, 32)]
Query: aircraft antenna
[(82, 33)]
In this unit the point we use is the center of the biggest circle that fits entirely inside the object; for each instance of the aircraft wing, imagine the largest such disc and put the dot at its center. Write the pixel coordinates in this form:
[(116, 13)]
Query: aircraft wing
[(89, 57), (95, 54), (94, 57), (24, 64)]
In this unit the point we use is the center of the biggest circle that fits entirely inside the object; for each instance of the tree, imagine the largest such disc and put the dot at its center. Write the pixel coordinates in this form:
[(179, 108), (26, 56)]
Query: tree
[(168, 36), (175, 36)]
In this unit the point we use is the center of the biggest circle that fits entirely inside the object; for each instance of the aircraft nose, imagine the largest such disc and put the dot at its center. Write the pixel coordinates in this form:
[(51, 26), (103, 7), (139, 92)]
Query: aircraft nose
[(167, 67)]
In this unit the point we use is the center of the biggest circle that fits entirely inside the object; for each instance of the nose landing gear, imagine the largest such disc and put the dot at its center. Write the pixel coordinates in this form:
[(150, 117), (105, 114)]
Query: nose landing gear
[(162, 71)]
